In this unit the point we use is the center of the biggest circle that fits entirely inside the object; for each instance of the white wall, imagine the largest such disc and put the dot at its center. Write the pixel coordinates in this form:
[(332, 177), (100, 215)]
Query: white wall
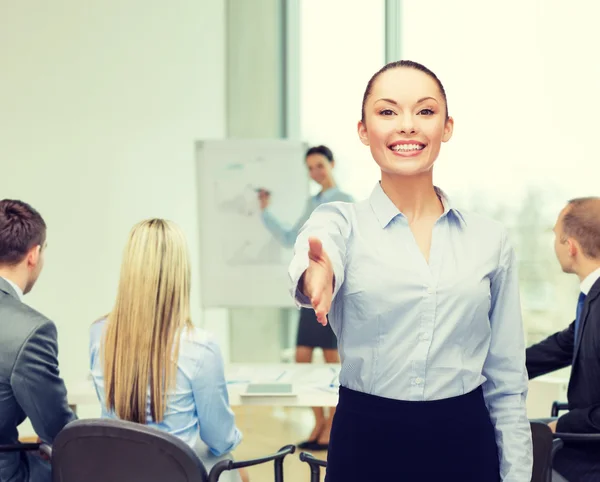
[(100, 103)]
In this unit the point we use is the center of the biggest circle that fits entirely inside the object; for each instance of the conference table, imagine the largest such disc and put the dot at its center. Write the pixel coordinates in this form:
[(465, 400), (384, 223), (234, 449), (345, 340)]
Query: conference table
[(316, 385), (312, 385)]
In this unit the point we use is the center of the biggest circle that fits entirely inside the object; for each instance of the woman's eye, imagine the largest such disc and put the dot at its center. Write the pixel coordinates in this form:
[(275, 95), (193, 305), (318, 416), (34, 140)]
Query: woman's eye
[(386, 112), (426, 112)]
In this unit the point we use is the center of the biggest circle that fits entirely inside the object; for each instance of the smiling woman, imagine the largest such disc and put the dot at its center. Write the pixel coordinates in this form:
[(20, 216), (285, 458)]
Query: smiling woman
[(407, 122), (424, 301)]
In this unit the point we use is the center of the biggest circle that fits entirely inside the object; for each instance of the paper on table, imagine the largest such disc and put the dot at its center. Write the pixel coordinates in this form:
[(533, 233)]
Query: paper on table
[(248, 374), (320, 375), (315, 375)]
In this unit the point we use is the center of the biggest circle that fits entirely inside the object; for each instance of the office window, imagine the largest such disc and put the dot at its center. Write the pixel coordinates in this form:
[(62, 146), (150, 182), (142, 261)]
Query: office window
[(342, 44), (522, 83)]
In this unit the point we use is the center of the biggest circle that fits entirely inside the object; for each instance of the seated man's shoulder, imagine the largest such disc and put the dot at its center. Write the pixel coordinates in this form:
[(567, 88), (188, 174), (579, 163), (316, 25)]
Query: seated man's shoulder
[(24, 331), (27, 320)]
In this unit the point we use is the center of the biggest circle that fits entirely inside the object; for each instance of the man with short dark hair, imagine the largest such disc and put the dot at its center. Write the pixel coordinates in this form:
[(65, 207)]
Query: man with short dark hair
[(30, 384), (577, 246)]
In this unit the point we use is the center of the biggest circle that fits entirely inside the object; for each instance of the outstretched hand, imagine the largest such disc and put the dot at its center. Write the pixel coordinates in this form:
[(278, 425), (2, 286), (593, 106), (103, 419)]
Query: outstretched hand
[(318, 280)]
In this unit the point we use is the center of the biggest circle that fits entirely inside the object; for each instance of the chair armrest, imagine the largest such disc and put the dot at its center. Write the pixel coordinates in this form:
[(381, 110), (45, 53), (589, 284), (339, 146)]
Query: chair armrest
[(278, 457), (19, 447), (312, 460), (557, 407), (46, 450), (557, 444), (578, 437), (314, 464)]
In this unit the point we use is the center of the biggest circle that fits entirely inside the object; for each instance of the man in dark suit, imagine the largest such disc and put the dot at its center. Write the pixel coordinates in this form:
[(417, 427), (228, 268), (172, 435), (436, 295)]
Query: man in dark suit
[(30, 384), (577, 245)]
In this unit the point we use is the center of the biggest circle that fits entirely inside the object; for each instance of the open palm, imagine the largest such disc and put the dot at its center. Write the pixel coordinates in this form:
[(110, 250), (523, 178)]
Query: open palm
[(318, 280)]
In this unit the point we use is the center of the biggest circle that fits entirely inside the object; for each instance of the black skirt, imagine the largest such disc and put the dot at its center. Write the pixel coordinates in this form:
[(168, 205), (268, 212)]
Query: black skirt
[(312, 333), (375, 438)]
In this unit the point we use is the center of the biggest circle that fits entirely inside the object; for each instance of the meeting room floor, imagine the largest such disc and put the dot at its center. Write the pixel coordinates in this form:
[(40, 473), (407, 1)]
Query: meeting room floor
[(267, 429)]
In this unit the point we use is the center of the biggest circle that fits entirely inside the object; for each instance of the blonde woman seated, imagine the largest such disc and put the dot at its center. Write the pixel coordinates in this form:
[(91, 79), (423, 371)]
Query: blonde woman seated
[(149, 364)]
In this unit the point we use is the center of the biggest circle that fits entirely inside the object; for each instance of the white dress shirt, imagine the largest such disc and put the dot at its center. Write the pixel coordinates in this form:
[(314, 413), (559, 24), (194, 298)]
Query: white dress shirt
[(588, 282), (409, 329)]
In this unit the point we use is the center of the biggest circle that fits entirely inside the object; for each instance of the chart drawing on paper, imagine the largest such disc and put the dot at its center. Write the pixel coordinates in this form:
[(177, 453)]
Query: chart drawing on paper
[(237, 250)]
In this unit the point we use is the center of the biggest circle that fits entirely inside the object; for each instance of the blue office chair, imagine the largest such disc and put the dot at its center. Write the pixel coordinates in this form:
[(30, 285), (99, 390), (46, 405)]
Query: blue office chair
[(97, 450)]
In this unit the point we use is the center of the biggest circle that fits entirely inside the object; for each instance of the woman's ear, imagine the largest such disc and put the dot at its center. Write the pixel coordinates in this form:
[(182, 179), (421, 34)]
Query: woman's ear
[(448, 129), (362, 133)]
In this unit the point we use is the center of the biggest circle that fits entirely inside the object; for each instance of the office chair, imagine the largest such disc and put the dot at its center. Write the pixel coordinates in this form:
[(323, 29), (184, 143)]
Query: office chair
[(97, 450), (545, 447)]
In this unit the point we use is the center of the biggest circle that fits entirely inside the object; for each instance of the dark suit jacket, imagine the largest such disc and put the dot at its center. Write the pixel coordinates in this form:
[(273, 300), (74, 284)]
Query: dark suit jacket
[(559, 351), (30, 384)]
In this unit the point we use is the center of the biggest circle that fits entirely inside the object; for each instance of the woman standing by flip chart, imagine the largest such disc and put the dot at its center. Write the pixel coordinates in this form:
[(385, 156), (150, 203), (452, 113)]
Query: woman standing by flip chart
[(320, 163)]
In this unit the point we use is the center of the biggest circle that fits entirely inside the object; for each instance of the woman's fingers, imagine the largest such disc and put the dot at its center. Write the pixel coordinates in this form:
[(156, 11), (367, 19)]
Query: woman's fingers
[(319, 280)]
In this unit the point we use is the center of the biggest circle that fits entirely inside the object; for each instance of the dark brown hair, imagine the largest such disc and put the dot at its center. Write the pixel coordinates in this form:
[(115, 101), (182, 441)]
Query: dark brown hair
[(581, 222), (409, 64), (323, 150), (21, 228)]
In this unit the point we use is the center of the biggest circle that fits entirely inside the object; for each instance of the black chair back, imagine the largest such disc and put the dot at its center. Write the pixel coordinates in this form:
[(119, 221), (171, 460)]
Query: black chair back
[(544, 447), (101, 450)]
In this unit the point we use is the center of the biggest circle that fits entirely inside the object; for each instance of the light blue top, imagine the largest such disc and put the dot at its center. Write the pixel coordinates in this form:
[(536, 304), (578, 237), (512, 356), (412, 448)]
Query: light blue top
[(199, 405), (412, 330), (287, 236)]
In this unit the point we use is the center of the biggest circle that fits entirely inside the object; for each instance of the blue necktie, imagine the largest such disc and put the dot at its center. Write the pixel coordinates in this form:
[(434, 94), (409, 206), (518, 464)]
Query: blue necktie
[(580, 303)]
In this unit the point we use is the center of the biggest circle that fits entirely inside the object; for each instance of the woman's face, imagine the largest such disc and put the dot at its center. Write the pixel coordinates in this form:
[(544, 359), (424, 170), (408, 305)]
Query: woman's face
[(405, 122), (319, 168)]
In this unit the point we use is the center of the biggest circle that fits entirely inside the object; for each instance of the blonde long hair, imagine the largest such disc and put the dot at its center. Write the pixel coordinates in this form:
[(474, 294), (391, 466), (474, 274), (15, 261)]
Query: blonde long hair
[(141, 343)]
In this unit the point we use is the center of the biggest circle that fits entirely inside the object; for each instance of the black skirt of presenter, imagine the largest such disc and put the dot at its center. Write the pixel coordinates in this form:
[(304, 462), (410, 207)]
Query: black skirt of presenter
[(312, 333), (377, 439)]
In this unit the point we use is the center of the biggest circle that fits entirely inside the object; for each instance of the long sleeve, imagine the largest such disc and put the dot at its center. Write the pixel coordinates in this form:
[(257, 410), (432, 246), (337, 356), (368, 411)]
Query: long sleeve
[(37, 385), (330, 225), (553, 353), (286, 236), (216, 419), (96, 361), (506, 383)]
